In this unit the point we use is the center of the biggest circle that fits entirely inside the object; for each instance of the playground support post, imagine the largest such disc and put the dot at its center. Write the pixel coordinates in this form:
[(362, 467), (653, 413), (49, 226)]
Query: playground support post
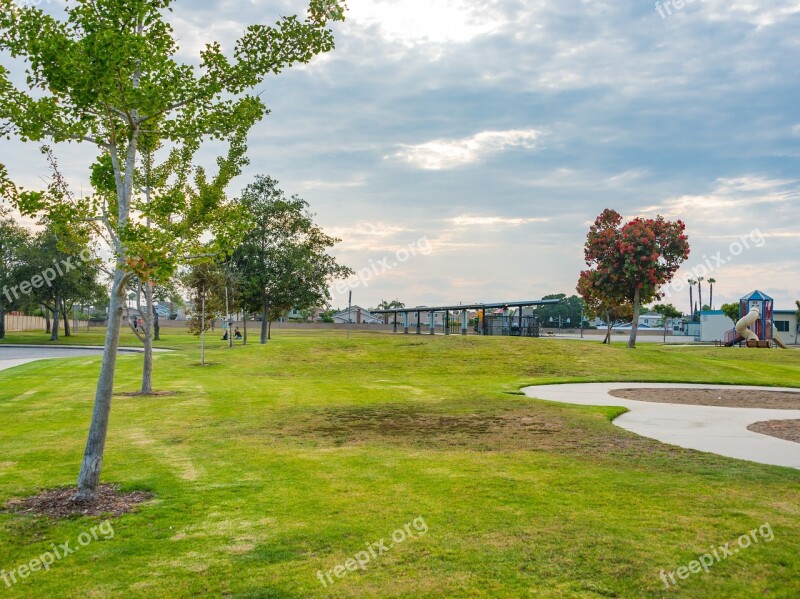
[(463, 322)]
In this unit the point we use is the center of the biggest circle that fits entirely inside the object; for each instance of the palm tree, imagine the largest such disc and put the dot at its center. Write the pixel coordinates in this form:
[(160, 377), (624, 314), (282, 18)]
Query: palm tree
[(692, 283), (700, 291), (711, 292)]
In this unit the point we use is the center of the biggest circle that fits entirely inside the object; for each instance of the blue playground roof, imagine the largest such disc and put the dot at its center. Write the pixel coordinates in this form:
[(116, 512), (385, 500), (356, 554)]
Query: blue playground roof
[(757, 295)]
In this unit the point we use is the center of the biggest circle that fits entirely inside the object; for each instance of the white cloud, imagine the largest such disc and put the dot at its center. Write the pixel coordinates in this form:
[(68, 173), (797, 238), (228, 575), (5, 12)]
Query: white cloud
[(453, 153), (413, 22), (493, 221), (732, 198)]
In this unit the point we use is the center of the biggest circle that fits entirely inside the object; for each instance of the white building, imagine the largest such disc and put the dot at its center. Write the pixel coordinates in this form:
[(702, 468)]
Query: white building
[(787, 326), (713, 325)]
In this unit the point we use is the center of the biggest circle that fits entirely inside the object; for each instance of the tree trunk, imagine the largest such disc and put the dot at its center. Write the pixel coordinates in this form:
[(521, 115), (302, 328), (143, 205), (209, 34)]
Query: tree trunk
[(635, 322), (700, 296), (147, 322), (65, 315), (265, 321), (54, 334), (244, 327), (691, 303), (89, 477), (2, 322), (156, 325), (46, 311)]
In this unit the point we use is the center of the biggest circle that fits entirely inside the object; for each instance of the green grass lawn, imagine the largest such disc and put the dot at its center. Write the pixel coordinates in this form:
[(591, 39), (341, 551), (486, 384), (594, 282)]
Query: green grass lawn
[(279, 461)]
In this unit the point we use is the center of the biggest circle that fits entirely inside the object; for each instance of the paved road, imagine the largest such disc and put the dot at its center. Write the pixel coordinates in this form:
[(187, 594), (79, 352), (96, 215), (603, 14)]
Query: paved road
[(705, 428), (15, 355)]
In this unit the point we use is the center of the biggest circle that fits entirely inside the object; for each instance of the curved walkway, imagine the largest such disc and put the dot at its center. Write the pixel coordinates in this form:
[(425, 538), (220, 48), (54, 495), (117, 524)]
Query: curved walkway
[(16, 355), (705, 428)]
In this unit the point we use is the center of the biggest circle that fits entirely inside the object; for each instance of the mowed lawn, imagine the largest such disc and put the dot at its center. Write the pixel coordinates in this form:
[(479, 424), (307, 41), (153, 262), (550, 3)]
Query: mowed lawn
[(279, 461)]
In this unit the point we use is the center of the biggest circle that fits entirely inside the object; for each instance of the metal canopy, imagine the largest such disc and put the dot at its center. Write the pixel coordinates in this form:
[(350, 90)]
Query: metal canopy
[(468, 307)]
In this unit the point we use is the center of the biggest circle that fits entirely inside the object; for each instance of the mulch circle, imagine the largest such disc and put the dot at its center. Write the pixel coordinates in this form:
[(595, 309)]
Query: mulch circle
[(57, 503), (730, 397), (789, 430)]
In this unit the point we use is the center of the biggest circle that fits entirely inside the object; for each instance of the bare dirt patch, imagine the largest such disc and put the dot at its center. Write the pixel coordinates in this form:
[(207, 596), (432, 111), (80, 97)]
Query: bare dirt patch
[(788, 430), (57, 503), (728, 398), (503, 428)]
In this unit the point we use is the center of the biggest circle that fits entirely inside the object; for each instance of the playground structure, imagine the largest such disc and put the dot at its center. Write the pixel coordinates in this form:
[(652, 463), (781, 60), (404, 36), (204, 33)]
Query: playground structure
[(755, 326)]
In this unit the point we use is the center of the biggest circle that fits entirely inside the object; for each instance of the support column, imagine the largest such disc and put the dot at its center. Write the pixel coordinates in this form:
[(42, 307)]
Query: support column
[(431, 317), (483, 322), (405, 323), (520, 321), (447, 322), (419, 325), (463, 322), (394, 329)]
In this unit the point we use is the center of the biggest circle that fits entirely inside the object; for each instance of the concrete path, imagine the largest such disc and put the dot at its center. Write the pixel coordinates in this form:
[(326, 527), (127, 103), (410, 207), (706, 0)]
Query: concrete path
[(16, 355), (706, 428)]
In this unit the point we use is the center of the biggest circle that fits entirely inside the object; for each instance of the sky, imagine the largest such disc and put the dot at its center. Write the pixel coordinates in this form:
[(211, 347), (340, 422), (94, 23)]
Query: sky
[(461, 149)]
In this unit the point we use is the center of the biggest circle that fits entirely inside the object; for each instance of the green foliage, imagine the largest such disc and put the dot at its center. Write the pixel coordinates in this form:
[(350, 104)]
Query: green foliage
[(667, 311), (283, 260), (731, 311), (571, 308)]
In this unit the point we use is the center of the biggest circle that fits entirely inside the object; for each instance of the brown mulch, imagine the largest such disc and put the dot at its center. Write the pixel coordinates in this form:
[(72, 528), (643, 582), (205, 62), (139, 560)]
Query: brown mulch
[(153, 394), (57, 503), (729, 398), (788, 430)]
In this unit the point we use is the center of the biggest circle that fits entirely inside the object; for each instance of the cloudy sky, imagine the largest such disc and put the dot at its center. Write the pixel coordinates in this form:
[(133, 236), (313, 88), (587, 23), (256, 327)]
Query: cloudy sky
[(487, 135)]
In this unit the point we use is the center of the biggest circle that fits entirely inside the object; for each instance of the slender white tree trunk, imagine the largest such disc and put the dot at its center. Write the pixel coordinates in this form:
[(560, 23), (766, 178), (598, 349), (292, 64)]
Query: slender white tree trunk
[(89, 477)]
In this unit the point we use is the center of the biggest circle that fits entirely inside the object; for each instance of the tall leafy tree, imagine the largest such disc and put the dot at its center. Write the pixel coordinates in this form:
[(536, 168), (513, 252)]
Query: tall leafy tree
[(108, 74), (668, 312), (60, 272), (569, 310), (628, 263), (732, 311), (283, 261), (13, 239), (598, 305)]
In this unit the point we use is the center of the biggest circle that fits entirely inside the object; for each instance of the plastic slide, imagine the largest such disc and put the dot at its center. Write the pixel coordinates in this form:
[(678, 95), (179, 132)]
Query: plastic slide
[(744, 324), (777, 339)]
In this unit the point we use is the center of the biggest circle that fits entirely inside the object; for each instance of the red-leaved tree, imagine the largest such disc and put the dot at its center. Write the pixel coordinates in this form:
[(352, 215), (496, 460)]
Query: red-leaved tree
[(628, 264)]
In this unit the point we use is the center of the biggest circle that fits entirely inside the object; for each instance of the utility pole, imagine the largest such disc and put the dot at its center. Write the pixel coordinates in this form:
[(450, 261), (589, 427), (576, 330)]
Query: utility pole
[(203, 328)]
